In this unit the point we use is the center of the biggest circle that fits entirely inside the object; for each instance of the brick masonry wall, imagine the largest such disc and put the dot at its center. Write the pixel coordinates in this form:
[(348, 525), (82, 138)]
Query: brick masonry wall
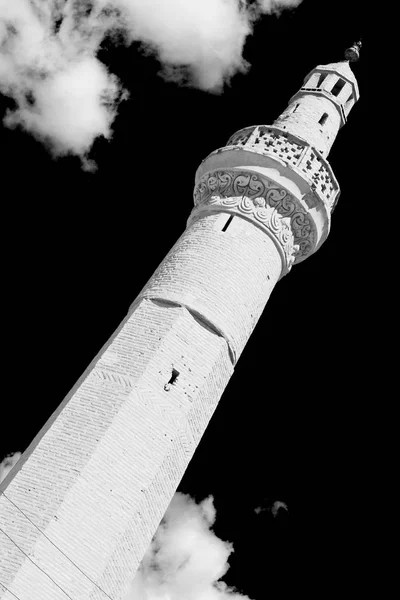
[(227, 277), (80, 509), (302, 116)]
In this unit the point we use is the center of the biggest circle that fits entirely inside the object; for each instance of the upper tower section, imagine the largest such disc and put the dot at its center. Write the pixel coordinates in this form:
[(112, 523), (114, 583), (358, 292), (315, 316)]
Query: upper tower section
[(321, 106), (277, 176)]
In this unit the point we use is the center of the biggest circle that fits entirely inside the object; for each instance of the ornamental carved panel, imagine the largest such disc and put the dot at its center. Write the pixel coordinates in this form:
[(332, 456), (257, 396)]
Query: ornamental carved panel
[(275, 143), (260, 199)]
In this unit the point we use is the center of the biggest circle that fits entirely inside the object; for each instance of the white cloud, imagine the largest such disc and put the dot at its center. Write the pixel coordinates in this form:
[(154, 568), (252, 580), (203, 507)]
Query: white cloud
[(67, 98), (186, 560), (273, 508), (7, 464), (277, 505)]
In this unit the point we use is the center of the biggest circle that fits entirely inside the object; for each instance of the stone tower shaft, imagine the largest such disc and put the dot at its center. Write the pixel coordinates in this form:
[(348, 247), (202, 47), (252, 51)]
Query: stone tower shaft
[(79, 510), (321, 106)]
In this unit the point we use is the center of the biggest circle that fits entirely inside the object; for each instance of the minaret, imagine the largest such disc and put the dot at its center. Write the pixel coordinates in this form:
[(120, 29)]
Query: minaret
[(79, 510)]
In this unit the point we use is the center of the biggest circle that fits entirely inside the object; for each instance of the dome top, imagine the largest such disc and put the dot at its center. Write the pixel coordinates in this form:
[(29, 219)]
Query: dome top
[(352, 54)]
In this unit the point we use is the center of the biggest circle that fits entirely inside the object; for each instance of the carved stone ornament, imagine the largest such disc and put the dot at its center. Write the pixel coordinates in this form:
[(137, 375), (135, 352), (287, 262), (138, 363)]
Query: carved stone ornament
[(258, 198), (295, 153)]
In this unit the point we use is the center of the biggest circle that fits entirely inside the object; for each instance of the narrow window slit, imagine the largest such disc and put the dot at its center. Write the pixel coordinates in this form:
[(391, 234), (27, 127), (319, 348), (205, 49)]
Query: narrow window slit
[(339, 85), (323, 119), (225, 227), (173, 377)]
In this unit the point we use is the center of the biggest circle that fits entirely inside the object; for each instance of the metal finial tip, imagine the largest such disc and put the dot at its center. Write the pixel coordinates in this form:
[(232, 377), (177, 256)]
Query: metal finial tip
[(352, 54)]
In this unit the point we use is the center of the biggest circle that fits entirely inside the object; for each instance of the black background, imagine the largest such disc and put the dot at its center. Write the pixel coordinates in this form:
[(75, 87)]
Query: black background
[(293, 422)]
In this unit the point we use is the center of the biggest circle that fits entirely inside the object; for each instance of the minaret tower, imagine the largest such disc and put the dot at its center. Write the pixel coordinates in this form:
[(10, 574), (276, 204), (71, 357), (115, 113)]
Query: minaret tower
[(80, 508)]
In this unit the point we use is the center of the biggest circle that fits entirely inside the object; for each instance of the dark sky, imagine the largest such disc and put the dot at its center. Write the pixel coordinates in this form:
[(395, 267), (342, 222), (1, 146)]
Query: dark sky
[(80, 246)]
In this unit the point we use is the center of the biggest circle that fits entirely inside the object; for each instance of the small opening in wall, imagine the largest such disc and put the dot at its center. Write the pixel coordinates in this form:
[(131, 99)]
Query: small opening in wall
[(322, 79), (163, 302), (173, 377), (323, 119), (339, 85), (225, 227), (295, 108)]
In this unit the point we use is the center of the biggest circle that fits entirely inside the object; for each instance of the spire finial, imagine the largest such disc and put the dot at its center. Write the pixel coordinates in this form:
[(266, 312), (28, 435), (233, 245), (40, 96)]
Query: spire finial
[(352, 54)]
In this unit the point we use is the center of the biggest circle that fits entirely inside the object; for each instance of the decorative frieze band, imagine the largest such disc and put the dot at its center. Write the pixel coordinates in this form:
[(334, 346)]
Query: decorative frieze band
[(264, 214), (258, 198)]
